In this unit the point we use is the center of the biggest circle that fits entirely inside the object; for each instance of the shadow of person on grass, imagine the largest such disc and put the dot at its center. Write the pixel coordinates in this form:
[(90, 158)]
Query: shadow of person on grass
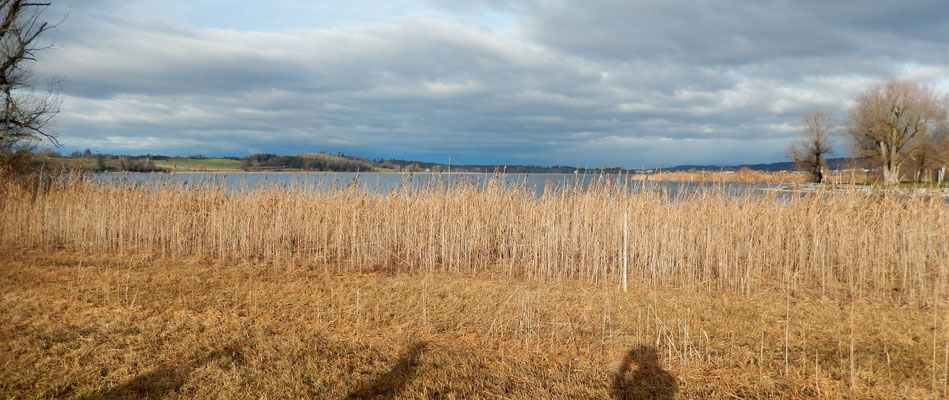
[(164, 380), (391, 383), (648, 382)]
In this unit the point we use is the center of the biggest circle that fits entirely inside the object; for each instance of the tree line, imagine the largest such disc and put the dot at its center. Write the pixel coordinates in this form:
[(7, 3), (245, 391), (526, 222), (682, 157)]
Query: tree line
[(306, 162), (419, 166)]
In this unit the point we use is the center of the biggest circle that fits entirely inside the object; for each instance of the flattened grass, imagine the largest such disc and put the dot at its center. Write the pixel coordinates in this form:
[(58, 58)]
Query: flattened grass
[(81, 325)]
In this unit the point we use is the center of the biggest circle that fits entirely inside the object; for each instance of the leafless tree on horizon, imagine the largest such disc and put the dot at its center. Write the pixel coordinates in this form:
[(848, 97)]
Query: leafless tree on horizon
[(814, 143), (888, 122)]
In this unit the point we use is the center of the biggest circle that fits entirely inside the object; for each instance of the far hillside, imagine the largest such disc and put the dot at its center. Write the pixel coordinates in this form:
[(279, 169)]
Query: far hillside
[(339, 162)]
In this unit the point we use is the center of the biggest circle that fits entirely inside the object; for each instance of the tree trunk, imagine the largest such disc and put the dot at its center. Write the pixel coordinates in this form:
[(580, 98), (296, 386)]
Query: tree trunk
[(891, 169), (891, 174)]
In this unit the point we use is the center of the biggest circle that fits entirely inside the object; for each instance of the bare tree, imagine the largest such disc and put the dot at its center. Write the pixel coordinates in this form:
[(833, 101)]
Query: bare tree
[(887, 120), (926, 155), (26, 114), (939, 143), (811, 147)]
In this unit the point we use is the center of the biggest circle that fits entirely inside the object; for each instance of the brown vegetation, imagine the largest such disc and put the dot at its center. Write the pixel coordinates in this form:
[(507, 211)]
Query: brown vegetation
[(120, 291), (85, 326), (879, 244), (742, 175)]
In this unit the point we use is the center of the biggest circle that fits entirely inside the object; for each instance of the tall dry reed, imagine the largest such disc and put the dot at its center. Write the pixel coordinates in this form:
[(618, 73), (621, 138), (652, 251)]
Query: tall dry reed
[(743, 175), (877, 244)]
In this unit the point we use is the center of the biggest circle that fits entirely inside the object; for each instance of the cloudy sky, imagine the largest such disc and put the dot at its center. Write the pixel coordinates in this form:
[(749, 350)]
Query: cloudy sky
[(586, 82)]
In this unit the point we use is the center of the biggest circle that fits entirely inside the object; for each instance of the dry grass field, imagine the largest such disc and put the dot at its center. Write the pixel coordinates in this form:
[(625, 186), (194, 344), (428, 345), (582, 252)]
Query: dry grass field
[(743, 175), (467, 292), (746, 175), (75, 325)]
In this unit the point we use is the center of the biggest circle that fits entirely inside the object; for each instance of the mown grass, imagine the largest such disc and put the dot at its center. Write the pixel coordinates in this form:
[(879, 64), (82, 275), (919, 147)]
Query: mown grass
[(79, 325), (196, 164)]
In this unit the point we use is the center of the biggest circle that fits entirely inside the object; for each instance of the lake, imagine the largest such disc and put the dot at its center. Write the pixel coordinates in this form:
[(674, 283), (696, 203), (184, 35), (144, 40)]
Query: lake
[(384, 182)]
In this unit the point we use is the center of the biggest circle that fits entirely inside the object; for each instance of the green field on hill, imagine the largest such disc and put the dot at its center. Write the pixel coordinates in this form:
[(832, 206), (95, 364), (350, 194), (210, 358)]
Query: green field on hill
[(199, 164)]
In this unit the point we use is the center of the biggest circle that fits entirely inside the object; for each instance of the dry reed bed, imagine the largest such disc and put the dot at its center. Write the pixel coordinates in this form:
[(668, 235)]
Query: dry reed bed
[(742, 175), (891, 246), (751, 176)]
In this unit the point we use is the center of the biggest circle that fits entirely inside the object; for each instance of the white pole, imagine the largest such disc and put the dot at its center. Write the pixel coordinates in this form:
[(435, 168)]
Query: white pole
[(625, 241)]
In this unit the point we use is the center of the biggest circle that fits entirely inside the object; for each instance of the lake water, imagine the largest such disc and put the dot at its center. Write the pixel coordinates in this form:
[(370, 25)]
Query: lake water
[(384, 182)]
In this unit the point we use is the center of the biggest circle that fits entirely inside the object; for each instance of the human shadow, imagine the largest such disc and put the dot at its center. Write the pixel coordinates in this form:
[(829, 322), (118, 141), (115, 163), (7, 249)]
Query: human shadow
[(391, 383), (648, 382), (165, 379)]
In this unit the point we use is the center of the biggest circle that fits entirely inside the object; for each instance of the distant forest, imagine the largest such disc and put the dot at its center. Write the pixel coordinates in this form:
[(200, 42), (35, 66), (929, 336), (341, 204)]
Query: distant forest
[(345, 163), (307, 162)]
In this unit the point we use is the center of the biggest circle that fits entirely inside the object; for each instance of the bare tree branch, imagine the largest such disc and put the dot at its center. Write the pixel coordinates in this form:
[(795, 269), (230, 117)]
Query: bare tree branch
[(25, 114)]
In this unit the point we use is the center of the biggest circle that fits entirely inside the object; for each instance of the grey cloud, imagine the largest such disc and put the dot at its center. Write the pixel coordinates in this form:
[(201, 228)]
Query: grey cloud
[(590, 82), (732, 32)]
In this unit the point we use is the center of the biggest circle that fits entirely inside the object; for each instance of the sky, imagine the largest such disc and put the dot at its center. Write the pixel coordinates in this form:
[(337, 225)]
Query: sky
[(556, 82)]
